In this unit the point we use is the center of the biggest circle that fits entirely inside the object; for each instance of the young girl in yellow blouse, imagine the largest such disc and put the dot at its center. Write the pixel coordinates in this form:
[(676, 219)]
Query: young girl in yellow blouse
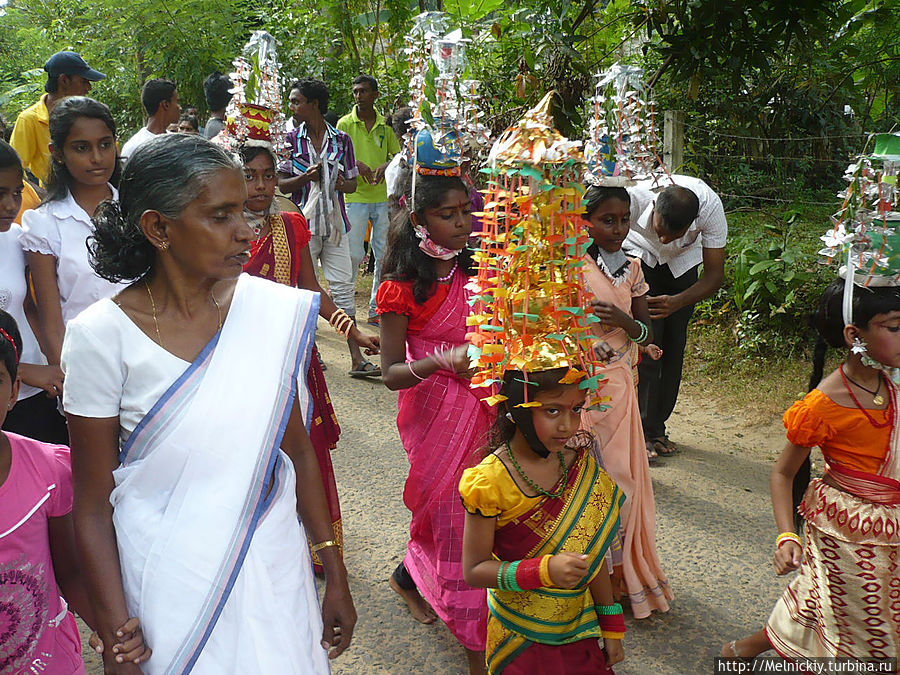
[(541, 514)]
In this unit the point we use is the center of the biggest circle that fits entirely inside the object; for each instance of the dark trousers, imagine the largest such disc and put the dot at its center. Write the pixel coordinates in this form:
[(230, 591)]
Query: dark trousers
[(38, 417), (659, 381)]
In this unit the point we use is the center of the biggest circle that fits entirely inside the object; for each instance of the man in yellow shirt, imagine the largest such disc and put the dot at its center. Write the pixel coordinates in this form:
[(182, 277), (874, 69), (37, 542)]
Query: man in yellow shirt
[(67, 75), (375, 145)]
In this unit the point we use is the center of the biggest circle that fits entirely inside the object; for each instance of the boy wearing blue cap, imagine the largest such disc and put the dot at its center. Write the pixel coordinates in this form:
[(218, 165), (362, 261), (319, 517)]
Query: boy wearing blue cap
[(67, 75)]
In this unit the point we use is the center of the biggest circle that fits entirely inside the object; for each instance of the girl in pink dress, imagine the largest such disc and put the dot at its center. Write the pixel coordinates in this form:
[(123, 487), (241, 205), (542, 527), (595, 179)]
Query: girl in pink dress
[(442, 422), (38, 560), (621, 303)]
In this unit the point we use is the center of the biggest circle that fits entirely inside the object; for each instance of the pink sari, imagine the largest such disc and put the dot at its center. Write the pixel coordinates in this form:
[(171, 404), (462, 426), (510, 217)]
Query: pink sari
[(621, 438), (442, 424)]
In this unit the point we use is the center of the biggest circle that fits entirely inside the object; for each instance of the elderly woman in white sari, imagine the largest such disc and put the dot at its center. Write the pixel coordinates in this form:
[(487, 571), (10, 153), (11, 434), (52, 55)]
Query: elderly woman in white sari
[(185, 400)]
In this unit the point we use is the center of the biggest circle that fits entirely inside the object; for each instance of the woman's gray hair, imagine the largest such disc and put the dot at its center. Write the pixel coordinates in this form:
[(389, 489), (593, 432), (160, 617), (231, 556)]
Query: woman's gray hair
[(165, 174)]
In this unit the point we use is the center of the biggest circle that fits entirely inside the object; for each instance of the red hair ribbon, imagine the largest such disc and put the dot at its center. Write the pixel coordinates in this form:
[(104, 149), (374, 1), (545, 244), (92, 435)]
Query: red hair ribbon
[(12, 342)]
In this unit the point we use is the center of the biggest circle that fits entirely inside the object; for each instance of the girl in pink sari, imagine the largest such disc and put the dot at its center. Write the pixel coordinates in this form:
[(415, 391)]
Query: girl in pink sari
[(442, 422), (621, 303)]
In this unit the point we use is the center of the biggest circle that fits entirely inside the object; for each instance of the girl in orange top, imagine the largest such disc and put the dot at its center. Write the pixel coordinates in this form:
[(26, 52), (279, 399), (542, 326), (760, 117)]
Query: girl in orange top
[(841, 604)]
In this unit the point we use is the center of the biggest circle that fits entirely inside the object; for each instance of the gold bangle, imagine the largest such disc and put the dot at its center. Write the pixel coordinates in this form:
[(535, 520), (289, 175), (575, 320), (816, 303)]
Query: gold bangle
[(325, 544)]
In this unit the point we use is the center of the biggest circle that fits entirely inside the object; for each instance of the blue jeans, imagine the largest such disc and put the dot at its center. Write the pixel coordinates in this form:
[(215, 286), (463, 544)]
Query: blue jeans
[(359, 216)]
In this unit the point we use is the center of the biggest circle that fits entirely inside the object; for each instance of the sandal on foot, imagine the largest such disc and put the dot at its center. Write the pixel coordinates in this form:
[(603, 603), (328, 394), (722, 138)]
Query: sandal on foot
[(665, 447), (365, 369)]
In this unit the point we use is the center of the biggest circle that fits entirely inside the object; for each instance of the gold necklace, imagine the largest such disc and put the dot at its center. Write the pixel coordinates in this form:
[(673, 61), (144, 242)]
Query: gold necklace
[(156, 319)]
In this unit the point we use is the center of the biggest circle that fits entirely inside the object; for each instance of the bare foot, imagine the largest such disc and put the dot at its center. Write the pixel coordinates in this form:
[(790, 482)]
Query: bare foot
[(746, 648), (418, 607)]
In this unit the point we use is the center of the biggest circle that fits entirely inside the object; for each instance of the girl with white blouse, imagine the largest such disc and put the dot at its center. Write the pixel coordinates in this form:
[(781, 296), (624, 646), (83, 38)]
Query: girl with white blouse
[(84, 162)]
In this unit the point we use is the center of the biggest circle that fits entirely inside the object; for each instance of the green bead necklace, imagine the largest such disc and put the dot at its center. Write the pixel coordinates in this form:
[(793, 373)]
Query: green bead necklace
[(563, 478)]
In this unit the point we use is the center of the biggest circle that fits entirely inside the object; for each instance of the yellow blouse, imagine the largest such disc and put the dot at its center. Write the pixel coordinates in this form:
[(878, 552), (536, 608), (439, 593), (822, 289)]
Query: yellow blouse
[(490, 491)]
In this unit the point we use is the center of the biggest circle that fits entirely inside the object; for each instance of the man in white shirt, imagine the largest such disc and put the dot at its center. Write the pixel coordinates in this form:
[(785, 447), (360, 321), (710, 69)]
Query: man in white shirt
[(160, 100), (673, 231)]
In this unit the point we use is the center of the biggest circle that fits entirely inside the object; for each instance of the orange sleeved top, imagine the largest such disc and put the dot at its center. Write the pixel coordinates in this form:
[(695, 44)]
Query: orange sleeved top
[(845, 435), (397, 297)]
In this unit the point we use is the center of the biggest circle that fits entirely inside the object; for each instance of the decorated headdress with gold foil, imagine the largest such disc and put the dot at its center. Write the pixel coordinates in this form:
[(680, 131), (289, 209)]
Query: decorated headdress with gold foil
[(253, 116), (530, 310)]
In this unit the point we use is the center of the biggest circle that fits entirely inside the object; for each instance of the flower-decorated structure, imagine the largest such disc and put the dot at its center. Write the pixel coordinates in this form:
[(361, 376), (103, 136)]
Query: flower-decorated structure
[(530, 309), (254, 112), (621, 137)]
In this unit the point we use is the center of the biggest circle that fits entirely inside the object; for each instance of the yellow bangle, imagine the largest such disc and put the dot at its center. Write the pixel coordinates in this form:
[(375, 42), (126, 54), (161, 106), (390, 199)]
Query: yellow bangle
[(325, 544), (545, 571), (787, 536)]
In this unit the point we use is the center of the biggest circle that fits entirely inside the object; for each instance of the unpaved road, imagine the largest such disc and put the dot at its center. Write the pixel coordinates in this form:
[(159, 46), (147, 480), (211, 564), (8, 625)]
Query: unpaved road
[(715, 536)]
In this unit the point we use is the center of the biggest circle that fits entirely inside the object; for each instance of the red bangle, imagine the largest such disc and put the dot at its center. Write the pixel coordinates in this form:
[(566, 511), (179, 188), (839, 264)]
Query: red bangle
[(528, 574), (612, 623)]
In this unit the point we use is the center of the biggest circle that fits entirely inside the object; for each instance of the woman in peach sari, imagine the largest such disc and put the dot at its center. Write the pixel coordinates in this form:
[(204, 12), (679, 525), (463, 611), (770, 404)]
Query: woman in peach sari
[(620, 291)]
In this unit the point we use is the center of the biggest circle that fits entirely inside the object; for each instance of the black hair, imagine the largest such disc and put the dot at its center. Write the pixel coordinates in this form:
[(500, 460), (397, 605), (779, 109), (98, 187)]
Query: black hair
[(513, 387), (192, 120), (828, 319), (62, 119), (677, 208), (404, 260), (594, 196), (399, 120), (8, 354), (156, 91), (216, 88), (250, 152), (9, 158), (165, 174), (366, 79), (51, 86), (313, 90)]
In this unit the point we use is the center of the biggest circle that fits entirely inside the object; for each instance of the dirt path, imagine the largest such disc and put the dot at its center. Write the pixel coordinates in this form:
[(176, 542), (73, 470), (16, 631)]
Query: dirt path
[(715, 534)]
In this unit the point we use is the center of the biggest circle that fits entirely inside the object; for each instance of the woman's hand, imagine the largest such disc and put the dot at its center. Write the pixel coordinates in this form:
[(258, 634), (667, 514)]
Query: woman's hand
[(371, 344), (48, 378), (615, 652), (338, 617), (567, 569), (787, 557), (611, 315), (652, 351)]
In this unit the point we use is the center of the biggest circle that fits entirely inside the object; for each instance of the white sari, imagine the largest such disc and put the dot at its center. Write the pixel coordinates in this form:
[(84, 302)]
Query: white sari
[(217, 570)]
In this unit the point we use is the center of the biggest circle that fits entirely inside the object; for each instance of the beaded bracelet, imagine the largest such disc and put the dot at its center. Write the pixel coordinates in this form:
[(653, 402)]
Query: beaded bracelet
[(644, 332), (500, 570), (509, 577), (609, 610), (787, 536), (612, 626)]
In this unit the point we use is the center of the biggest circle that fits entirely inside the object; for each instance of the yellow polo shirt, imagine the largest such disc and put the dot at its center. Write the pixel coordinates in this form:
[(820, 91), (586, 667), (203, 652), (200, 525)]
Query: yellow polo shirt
[(30, 200), (31, 139), (373, 148)]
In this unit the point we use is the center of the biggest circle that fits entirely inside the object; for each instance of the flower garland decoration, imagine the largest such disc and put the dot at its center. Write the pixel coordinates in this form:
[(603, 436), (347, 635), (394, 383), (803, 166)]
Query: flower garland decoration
[(865, 232), (620, 146), (254, 112)]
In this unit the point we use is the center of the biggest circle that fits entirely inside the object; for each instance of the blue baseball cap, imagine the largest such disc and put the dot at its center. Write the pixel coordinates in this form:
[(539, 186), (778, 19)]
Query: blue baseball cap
[(70, 63)]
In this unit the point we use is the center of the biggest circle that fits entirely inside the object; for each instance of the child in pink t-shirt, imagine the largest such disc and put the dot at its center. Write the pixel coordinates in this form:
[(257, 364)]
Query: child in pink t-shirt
[(38, 559)]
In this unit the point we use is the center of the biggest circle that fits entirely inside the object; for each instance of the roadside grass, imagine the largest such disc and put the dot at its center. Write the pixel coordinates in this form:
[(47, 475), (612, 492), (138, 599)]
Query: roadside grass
[(754, 354)]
